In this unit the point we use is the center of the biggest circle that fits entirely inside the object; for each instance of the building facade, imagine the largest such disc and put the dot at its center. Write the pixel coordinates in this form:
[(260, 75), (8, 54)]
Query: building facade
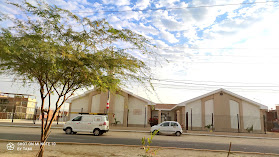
[(223, 110), (125, 108), (220, 110), (17, 106)]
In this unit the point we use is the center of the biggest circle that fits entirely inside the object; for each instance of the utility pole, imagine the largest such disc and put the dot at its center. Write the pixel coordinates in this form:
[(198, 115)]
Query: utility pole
[(35, 114)]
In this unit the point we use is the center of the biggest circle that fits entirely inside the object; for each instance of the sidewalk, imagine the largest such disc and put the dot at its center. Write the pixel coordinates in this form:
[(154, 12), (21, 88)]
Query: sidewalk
[(30, 124)]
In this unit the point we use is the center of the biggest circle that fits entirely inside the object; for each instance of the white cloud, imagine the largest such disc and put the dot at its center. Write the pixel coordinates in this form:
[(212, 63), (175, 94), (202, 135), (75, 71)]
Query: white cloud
[(130, 15), (147, 29), (142, 4), (168, 36), (117, 2), (247, 30), (165, 3)]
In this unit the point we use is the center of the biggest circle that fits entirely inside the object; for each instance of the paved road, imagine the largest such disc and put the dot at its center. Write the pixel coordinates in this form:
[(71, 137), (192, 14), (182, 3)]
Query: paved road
[(88, 138)]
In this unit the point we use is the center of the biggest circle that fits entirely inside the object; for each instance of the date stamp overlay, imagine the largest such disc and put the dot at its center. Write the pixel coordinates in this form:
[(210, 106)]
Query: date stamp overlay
[(26, 146)]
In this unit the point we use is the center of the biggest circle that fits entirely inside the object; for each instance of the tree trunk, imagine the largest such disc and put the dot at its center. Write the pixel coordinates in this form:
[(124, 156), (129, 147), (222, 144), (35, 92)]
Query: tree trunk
[(41, 151)]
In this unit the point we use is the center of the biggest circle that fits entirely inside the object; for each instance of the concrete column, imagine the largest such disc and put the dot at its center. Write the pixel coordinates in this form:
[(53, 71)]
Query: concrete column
[(183, 117), (241, 117), (178, 117), (203, 113), (70, 110), (159, 116), (149, 110), (126, 107)]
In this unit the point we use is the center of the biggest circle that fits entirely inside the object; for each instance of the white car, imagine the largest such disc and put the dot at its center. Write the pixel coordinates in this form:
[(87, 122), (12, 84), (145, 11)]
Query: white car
[(98, 124), (168, 127)]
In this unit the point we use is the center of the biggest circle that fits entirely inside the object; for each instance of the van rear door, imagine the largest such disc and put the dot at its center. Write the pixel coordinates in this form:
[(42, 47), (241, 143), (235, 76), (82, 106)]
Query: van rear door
[(97, 122)]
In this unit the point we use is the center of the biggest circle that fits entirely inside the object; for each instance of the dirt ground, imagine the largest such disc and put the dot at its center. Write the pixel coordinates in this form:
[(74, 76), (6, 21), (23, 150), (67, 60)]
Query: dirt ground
[(63, 150)]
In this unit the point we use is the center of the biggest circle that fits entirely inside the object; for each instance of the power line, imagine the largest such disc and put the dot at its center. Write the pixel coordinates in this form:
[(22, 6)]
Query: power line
[(178, 8), (186, 85), (181, 86), (183, 81), (193, 82), (215, 85), (211, 88), (171, 8), (205, 48)]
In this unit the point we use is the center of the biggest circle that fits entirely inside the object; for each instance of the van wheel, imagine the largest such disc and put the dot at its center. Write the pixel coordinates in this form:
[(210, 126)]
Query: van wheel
[(178, 133), (68, 131), (96, 132)]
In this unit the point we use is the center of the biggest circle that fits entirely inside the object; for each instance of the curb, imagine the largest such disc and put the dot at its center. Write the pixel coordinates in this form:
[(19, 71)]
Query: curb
[(231, 136), (157, 147), (27, 126), (142, 131)]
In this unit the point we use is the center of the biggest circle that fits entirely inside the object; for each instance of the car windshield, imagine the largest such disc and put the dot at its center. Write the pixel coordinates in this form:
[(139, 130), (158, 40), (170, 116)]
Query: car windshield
[(77, 118)]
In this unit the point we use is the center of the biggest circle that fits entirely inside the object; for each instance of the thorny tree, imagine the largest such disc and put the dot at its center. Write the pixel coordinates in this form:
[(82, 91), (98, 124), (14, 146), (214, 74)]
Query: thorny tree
[(63, 53)]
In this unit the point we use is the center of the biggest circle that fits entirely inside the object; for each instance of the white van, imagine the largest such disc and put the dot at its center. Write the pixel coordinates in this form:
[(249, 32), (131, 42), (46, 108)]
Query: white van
[(98, 124)]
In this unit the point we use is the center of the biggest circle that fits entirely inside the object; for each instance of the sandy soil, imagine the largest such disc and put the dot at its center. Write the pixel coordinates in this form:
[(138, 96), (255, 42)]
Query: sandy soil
[(63, 150)]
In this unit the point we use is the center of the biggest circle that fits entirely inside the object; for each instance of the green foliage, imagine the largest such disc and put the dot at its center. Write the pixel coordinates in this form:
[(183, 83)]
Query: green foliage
[(116, 121), (208, 126), (146, 145), (63, 53), (249, 129), (47, 48)]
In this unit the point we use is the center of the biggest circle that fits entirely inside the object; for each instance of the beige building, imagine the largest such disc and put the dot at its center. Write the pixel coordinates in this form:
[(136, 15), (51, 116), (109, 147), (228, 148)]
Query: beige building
[(31, 106), (221, 109), (225, 110), (125, 107), (17, 106)]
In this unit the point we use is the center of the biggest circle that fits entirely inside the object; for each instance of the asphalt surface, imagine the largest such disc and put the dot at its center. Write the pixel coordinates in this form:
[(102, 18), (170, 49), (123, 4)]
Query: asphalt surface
[(89, 138)]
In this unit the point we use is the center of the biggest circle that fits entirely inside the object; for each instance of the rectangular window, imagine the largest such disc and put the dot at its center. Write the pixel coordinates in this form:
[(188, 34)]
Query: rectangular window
[(97, 119), (174, 124), (165, 124)]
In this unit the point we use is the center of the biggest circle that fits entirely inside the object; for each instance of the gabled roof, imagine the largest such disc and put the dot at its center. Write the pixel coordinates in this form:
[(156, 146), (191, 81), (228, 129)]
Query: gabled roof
[(225, 91), (79, 96), (141, 98), (123, 90)]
